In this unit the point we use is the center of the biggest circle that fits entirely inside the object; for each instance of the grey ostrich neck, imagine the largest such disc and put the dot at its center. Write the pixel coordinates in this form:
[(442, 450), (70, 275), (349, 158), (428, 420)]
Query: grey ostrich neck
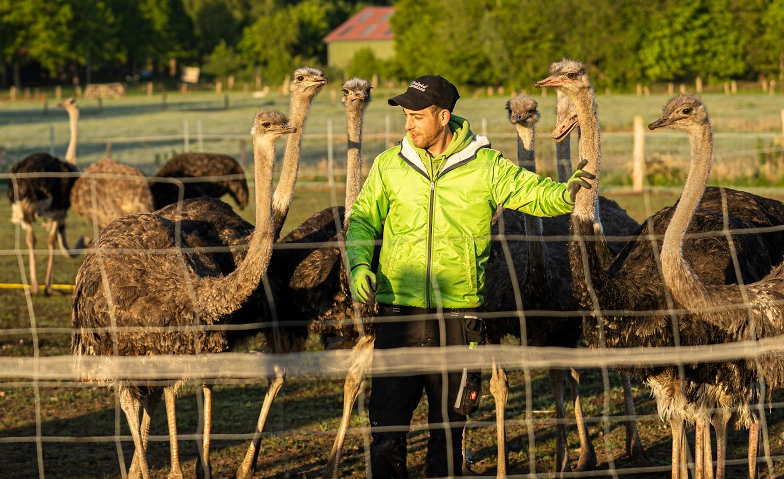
[(591, 150), (563, 158), (355, 112), (299, 107), (526, 140), (73, 120), (526, 158), (686, 287), (220, 296)]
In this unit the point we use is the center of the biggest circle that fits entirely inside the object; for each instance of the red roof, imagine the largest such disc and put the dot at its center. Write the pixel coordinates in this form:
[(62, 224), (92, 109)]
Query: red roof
[(371, 23)]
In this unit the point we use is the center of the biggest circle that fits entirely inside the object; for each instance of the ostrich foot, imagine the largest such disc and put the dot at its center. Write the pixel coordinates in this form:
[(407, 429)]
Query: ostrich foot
[(54, 292), (586, 462)]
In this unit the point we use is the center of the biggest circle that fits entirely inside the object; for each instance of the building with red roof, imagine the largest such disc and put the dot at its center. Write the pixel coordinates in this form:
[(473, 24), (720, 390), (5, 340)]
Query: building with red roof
[(367, 29)]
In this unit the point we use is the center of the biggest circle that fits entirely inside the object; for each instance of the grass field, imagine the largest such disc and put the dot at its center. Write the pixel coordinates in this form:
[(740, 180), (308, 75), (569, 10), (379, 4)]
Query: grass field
[(77, 423)]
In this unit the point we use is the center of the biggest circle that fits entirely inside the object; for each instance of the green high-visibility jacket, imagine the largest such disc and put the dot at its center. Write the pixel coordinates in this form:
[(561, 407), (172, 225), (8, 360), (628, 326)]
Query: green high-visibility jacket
[(436, 233)]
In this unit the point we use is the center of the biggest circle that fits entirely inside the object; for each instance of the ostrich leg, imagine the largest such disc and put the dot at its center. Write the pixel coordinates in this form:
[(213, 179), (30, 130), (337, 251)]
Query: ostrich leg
[(170, 395), (130, 406), (679, 462), (633, 444), (49, 267), (147, 412), (30, 240), (203, 467), (587, 459), (355, 382), (556, 377), (248, 465), (703, 460), (754, 438), (719, 420), (499, 388)]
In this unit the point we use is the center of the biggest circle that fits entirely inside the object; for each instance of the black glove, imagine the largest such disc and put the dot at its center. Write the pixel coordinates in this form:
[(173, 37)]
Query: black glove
[(577, 180)]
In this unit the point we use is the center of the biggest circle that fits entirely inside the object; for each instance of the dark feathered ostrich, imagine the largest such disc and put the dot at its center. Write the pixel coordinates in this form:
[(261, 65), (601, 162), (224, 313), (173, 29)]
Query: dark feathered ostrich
[(40, 186), (541, 280), (108, 190), (631, 281), (154, 293), (749, 312), (222, 175), (618, 224), (305, 282)]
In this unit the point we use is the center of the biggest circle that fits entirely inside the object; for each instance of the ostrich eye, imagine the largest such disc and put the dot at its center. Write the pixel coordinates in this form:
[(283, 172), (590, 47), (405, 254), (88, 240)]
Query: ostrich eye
[(572, 76), (300, 78), (345, 92), (266, 124), (687, 111)]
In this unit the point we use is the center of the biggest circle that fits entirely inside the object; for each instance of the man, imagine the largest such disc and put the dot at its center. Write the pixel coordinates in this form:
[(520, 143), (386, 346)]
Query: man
[(434, 196)]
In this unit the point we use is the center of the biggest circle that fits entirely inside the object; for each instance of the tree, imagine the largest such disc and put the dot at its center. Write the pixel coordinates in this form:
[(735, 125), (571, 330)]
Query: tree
[(773, 39)]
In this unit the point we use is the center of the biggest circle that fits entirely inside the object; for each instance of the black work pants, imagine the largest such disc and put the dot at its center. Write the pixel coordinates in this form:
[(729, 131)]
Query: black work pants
[(393, 399)]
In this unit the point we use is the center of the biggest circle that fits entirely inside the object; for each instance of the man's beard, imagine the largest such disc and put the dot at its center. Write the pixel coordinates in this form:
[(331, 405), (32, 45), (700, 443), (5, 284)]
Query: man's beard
[(425, 141)]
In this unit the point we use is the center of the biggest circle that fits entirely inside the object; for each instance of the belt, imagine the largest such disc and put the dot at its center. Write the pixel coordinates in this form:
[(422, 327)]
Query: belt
[(395, 310)]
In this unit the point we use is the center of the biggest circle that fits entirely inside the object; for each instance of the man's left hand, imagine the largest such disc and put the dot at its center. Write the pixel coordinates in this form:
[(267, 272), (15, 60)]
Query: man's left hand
[(577, 180)]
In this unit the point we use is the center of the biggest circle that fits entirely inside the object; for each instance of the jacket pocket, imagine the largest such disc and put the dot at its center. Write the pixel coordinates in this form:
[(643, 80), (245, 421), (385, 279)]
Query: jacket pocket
[(388, 262), (469, 250)]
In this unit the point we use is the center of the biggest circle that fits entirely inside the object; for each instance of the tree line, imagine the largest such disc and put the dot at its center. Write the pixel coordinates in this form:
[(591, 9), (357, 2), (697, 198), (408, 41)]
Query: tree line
[(472, 42)]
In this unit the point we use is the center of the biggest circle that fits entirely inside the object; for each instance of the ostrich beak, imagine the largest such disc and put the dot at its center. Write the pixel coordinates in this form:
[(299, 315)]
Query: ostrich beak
[(562, 129), (662, 122), (550, 81)]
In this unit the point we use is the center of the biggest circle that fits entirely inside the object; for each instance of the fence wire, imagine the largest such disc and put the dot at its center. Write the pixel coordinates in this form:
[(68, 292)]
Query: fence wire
[(39, 372)]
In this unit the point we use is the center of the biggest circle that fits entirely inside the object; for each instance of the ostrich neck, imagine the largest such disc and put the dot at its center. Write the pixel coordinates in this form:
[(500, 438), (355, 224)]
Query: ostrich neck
[(299, 107), (526, 158), (590, 149), (686, 287), (526, 139), (70, 153), (563, 158), (354, 116), (219, 297)]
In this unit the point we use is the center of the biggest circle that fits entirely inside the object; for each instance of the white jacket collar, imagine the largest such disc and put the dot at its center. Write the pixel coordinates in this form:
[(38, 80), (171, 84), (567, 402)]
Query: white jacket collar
[(409, 154)]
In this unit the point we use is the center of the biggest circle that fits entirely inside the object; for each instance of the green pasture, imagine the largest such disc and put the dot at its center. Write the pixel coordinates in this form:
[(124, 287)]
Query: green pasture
[(747, 128)]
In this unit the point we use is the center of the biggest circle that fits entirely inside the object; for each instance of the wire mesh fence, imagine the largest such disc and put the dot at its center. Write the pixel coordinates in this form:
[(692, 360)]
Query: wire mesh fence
[(49, 428)]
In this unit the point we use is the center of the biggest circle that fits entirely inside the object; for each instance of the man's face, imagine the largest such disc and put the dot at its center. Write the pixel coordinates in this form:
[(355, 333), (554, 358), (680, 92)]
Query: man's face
[(424, 127)]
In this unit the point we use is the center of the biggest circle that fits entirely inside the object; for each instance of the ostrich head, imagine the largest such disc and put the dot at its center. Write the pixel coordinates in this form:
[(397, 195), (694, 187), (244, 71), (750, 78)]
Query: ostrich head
[(685, 112), (307, 81), (568, 75), (271, 123), (566, 116), (523, 111), (69, 104), (356, 92)]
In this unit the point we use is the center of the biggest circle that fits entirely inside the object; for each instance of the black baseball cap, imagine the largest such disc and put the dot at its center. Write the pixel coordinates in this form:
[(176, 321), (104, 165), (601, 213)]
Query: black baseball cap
[(425, 91)]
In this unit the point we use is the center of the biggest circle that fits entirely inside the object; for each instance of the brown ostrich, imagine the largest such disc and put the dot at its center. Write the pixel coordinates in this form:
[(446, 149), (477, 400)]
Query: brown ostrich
[(200, 174), (631, 280), (749, 312), (40, 186), (154, 294), (108, 190)]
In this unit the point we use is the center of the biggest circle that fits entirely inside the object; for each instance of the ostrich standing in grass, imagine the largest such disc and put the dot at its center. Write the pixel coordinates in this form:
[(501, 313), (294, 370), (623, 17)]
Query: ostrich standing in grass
[(617, 223), (748, 312), (155, 294), (631, 281), (108, 190), (43, 190), (221, 175), (305, 283)]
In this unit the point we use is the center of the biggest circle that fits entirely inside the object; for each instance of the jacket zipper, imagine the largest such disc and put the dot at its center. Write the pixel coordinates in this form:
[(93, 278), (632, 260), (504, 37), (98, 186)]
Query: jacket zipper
[(429, 240)]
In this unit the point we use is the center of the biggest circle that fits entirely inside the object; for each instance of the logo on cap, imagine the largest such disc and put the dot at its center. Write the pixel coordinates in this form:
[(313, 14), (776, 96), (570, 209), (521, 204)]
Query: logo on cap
[(418, 86)]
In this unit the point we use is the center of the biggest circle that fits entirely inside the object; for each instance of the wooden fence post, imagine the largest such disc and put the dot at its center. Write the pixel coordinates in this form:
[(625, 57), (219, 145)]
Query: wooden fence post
[(671, 89), (638, 155), (163, 101), (149, 88), (698, 85), (218, 87), (734, 87), (58, 93), (230, 82), (726, 88), (639, 89)]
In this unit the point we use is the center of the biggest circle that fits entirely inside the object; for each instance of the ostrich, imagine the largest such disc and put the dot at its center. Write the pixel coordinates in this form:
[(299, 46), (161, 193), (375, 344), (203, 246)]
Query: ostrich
[(42, 189), (155, 294), (108, 190), (630, 281), (746, 312), (305, 283), (307, 83), (222, 175), (617, 223), (542, 278)]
